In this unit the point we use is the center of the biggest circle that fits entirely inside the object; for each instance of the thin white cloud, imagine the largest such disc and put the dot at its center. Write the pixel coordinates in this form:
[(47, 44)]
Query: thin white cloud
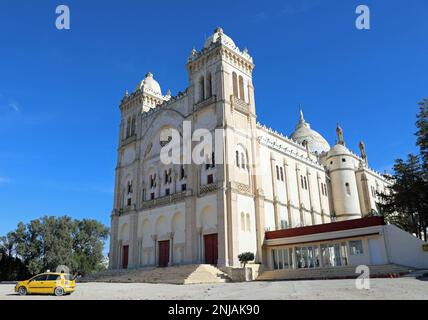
[(14, 106), (8, 105), (291, 8), (5, 180)]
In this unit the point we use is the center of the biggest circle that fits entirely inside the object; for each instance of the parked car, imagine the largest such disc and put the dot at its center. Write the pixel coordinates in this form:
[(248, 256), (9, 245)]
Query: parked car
[(47, 283)]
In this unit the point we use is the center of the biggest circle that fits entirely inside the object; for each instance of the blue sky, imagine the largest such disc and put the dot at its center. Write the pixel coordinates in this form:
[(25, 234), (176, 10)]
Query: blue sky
[(59, 90)]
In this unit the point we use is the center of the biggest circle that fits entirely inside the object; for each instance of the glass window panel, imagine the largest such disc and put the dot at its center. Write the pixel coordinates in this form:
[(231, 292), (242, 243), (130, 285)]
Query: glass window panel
[(280, 260), (356, 247), (275, 263), (344, 254)]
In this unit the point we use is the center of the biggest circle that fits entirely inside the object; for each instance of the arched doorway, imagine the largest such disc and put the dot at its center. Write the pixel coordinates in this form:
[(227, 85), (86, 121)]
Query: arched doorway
[(210, 238), (211, 248)]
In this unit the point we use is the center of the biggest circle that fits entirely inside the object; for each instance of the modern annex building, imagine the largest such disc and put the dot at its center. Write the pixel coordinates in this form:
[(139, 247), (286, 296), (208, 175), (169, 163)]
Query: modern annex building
[(296, 202)]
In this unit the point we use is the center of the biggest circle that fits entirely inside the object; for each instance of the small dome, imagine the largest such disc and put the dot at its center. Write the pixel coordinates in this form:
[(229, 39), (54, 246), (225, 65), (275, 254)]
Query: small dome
[(150, 85), (304, 133), (338, 150), (215, 37)]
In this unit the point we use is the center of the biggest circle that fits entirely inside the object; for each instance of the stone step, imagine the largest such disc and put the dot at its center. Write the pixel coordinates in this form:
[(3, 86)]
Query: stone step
[(331, 273), (185, 274)]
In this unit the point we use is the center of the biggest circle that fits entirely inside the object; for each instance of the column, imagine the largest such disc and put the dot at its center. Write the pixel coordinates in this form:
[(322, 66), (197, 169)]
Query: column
[(299, 186), (113, 254), (199, 232), (133, 244), (275, 192), (308, 176), (155, 248), (171, 249), (320, 196), (287, 190)]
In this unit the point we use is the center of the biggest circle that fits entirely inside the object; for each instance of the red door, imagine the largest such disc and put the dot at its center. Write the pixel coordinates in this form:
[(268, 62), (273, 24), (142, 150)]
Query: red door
[(125, 257), (211, 248), (163, 253)]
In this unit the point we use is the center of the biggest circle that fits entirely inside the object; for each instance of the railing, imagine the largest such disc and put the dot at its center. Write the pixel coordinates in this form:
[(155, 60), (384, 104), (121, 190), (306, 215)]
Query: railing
[(208, 188), (237, 103), (166, 200), (205, 102)]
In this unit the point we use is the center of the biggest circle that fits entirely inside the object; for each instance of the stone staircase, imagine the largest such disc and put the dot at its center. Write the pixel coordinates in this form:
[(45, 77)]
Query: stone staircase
[(348, 272), (184, 274)]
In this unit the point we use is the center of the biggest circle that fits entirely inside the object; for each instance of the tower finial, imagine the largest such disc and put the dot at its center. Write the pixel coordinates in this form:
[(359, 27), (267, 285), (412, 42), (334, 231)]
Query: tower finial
[(339, 131), (219, 30), (363, 151), (302, 119)]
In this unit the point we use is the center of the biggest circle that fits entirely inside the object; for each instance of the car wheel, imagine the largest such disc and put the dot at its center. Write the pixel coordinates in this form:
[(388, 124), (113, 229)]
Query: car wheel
[(22, 291), (58, 291)]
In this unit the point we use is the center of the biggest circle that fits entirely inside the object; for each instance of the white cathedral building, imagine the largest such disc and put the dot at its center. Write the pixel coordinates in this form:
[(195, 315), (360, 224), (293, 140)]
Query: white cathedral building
[(304, 204)]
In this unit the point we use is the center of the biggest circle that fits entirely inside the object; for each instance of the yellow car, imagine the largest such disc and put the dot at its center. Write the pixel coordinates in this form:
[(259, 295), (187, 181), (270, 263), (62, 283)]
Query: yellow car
[(48, 283)]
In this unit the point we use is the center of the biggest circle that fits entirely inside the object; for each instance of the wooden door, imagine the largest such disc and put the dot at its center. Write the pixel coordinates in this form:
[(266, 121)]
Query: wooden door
[(125, 253), (163, 253), (211, 248)]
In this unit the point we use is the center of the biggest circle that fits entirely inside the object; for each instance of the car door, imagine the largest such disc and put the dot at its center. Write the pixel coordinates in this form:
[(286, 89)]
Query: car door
[(38, 284), (51, 282)]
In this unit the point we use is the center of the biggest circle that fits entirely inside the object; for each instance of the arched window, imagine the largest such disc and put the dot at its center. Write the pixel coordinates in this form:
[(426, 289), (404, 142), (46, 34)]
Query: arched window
[(306, 183), (201, 88), (282, 174), (241, 88), (182, 172), (133, 126), (237, 158), (301, 182), (235, 84), (248, 223), (348, 189), (243, 160), (128, 127), (242, 221), (209, 86)]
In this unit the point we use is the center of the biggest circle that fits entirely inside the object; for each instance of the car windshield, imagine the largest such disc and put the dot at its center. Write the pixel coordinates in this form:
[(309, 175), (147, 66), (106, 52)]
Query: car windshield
[(67, 277)]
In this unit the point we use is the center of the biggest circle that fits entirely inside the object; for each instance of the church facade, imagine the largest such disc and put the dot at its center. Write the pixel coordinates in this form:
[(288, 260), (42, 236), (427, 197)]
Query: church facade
[(259, 183)]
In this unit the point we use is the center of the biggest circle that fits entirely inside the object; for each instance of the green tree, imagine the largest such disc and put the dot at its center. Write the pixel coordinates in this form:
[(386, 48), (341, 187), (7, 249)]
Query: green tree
[(406, 205), (48, 242), (11, 267), (245, 257), (422, 133), (87, 247)]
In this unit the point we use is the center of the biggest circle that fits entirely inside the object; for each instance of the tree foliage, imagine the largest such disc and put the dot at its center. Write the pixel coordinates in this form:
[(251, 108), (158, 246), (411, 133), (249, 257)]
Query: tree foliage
[(48, 242), (406, 203), (245, 257)]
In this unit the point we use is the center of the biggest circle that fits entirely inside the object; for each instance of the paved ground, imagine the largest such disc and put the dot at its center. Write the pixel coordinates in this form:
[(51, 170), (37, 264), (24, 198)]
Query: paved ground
[(401, 288)]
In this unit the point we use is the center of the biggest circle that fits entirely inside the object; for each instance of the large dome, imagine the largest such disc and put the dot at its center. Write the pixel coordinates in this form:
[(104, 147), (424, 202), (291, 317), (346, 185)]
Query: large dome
[(215, 37), (304, 133), (337, 150), (150, 85)]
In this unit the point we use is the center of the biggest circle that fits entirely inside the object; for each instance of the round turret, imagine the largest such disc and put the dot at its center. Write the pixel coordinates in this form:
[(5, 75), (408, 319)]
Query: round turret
[(341, 167)]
